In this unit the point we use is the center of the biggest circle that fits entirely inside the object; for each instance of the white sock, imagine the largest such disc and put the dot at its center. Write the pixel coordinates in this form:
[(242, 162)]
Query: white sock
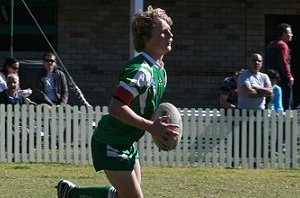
[(112, 192)]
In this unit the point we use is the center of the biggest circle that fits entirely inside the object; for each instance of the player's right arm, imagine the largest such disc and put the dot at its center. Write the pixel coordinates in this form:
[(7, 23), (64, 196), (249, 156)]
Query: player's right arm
[(125, 114)]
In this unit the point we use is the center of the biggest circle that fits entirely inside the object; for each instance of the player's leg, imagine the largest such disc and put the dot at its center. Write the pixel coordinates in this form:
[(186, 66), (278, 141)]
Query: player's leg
[(99, 191), (66, 189), (138, 172), (127, 183), (117, 158)]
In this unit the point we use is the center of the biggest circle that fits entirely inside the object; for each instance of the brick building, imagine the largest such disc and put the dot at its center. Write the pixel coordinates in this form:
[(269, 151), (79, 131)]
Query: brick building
[(212, 39)]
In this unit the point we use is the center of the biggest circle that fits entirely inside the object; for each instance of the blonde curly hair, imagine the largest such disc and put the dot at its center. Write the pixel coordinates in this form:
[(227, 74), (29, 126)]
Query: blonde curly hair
[(143, 24)]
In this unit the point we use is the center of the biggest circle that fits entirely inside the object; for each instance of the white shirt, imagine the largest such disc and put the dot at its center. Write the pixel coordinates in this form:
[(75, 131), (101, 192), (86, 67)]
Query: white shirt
[(50, 87), (258, 80), (3, 84)]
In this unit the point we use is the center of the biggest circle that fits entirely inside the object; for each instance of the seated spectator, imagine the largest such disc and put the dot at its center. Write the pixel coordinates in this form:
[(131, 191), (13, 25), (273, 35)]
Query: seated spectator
[(51, 85), (11, 66), (253, 85), (11, 95), (228, 96), (276, 100)]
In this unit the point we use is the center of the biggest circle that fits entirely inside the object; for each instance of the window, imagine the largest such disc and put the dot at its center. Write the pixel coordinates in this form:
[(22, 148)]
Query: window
[(26, 34)]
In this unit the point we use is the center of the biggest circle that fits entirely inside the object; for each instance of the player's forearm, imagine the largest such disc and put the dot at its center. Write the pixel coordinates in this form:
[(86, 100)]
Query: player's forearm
[(126, 115)]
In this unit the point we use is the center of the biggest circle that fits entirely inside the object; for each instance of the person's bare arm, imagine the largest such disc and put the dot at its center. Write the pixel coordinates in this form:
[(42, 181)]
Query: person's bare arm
[(255, 92), (250, 91), (126, 115), (265, 91), (224, 103)]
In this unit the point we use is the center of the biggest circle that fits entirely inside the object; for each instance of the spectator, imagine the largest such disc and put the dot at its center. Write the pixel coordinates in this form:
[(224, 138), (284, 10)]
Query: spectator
[(228, 96), (278, 58), (10, 66), (141, 84), (253, 86), (12, 95), (276, 100), (51, 83)]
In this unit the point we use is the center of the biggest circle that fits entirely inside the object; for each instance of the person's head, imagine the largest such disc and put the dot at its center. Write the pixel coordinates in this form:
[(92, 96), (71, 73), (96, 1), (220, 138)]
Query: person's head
[(273, 75), (151, 30), (284, 32), (10, 66), (255, 63), (49, 61), (12, 82)]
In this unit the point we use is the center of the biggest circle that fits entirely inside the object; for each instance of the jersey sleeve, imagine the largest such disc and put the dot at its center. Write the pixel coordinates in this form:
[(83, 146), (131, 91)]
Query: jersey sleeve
[(133, 81)]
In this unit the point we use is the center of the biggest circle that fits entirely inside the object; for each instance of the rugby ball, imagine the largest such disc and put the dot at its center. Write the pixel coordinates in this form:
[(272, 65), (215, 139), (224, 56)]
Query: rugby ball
[(166, 108)]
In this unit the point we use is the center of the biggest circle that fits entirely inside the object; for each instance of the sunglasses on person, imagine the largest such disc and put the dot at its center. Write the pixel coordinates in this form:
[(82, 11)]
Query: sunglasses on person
[(49, 60)]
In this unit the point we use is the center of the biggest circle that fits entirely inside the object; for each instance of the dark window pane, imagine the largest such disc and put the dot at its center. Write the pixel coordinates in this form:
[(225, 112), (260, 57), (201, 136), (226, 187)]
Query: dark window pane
[(26, 34)]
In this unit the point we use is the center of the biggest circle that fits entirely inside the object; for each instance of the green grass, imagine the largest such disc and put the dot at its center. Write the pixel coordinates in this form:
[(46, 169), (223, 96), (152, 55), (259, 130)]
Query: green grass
[(38, 180)]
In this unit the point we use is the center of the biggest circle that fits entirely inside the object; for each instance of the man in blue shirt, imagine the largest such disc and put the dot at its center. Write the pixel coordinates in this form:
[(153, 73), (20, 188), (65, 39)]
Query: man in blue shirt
[(51, 83)]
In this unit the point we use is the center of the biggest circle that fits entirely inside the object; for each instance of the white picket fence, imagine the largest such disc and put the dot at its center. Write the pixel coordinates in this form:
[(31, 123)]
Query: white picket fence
[(247, 139)]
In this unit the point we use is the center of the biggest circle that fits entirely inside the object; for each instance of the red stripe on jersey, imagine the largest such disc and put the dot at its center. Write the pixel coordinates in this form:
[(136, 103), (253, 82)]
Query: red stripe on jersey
[(123, 95)]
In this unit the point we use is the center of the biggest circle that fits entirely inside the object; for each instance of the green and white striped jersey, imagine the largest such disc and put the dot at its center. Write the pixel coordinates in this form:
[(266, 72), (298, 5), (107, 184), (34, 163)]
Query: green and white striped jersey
[(146, 81)]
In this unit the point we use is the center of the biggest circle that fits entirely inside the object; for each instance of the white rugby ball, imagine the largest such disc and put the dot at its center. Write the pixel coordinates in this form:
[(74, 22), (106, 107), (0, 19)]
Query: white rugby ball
[(166, 108)]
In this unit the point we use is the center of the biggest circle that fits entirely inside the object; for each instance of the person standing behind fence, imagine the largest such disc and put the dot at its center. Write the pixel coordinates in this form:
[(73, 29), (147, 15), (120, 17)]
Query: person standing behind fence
[(276, 100), (278, 57), (141, 84), (253, 88), (253, 85), (51, 84), (228, 96)]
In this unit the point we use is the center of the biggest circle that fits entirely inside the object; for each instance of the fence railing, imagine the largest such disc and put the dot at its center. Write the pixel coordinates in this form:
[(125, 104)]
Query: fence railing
[(211, 137)]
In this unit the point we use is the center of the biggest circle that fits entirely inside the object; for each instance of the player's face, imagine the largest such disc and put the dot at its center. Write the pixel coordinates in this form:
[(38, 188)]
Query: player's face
[(161, 38)]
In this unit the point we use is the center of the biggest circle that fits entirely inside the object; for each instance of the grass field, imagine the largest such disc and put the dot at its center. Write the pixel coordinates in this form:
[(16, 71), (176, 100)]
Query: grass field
[(37, 180)]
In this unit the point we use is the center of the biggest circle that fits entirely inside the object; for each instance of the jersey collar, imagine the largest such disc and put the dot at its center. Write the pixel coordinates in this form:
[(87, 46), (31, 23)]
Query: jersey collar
[(151, 60)]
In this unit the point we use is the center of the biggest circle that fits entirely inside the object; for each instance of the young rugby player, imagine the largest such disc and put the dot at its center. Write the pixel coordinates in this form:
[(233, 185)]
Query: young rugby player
[(141, 84)]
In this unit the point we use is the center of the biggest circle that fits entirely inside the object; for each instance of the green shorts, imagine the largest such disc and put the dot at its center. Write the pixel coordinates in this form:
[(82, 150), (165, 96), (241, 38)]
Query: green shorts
[(118, 157)]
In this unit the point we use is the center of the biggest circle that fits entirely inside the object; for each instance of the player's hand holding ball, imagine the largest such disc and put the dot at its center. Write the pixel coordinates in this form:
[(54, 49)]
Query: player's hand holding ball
[(162, 128), (167, 127)]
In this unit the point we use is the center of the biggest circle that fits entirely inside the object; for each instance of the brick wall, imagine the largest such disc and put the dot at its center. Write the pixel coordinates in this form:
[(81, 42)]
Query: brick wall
[(212, 39)]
